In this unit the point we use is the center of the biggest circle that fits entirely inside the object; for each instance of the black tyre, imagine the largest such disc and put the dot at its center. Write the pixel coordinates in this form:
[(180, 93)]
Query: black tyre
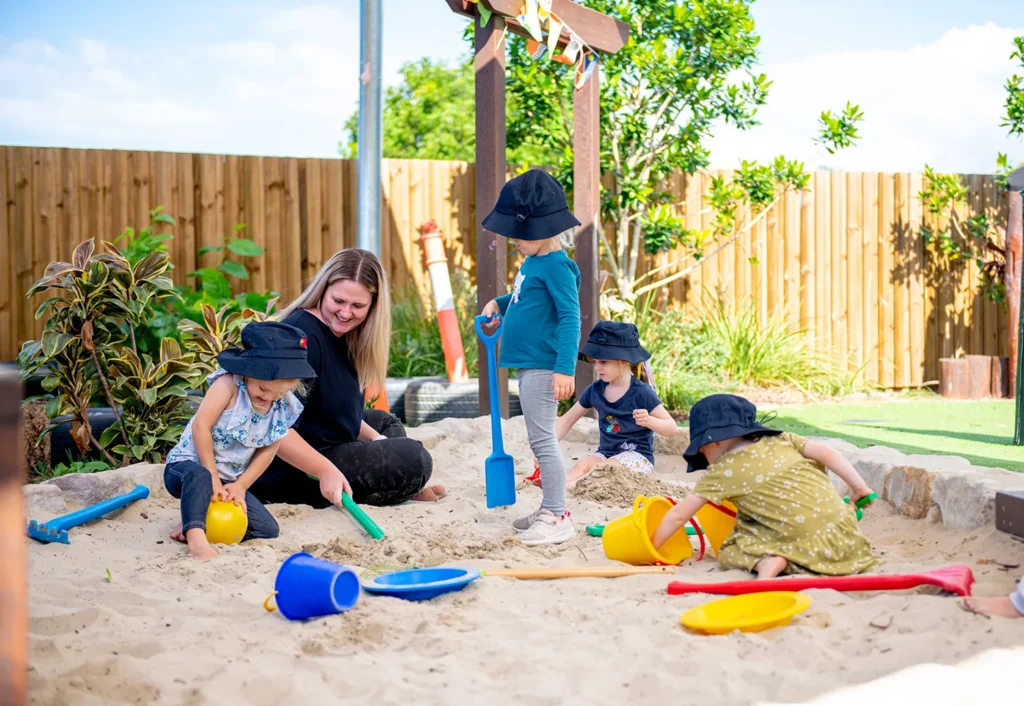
[(435, 399)]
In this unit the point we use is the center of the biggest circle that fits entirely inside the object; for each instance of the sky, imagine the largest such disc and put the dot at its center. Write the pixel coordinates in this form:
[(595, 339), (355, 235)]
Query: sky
[(280, 78)]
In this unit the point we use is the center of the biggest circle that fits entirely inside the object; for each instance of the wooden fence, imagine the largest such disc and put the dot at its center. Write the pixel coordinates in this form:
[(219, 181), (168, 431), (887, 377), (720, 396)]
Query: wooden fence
[(842, 260)]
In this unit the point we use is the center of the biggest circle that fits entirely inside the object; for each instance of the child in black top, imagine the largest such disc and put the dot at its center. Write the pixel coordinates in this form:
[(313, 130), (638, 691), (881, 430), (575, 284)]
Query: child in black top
[(628, 410)]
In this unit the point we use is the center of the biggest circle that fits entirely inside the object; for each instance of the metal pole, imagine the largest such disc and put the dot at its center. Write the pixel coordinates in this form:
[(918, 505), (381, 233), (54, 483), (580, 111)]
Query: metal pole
[(370, 126)]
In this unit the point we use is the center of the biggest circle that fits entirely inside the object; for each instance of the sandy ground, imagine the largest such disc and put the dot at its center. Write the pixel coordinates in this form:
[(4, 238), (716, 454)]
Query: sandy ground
[(166, 629)]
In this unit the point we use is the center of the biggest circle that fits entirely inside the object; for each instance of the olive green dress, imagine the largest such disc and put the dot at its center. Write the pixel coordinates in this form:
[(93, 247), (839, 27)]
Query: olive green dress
[(787, 507)]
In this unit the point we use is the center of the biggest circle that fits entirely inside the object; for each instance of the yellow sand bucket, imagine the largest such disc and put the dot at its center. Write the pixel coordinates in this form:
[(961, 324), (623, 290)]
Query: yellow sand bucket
[(717, 525), (628, 538)]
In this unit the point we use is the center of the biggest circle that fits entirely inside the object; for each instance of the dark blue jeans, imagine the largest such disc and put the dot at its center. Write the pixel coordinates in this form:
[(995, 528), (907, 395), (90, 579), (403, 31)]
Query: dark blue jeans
[(193, 484)]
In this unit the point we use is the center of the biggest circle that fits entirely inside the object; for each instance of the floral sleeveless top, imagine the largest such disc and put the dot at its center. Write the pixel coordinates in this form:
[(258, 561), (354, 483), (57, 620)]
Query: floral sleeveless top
[(240, 431)]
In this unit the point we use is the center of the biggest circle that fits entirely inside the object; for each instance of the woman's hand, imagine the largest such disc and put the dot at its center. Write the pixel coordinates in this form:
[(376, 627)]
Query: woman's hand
[(564, 386), (235, 492), (332, 483), (491, 309)]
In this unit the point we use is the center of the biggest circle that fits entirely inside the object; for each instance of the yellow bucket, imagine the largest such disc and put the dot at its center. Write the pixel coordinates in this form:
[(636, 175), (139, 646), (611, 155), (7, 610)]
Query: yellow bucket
[(716, 524), (628, 538)]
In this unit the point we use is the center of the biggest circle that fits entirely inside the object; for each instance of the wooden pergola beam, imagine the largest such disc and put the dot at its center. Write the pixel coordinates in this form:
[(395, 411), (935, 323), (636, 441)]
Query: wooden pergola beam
[(599, 32)]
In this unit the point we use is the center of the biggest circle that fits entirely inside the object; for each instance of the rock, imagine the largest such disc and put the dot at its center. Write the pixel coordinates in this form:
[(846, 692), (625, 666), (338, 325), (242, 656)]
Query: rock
[(84, 489), (910, 489), (674, 446), (585, 432), (43, 502)]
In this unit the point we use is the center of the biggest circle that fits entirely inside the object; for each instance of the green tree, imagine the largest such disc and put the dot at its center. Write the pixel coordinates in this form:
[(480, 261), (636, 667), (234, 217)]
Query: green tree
[(688, 70), (431, 114)]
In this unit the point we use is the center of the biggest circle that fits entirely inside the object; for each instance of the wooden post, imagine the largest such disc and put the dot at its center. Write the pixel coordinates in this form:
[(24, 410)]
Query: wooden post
[(13, 581), (1014, 256), (979, 376), (587, 208), (953, 378), (491, 249), (1000, 377)]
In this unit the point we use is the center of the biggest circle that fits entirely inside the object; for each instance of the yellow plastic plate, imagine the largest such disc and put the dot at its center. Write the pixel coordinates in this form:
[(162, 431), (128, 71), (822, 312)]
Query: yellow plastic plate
[(752, 612)]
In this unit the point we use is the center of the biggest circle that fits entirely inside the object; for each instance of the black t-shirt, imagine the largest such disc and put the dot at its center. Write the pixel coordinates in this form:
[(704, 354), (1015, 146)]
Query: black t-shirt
[(334, 404), (619, 432)]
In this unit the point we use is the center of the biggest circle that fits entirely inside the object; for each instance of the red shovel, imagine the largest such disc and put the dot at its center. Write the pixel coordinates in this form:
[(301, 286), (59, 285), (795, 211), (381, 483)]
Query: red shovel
[(955, 579)]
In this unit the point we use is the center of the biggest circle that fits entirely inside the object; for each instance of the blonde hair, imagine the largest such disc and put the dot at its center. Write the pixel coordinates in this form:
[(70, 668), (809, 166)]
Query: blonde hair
[(369, 342)]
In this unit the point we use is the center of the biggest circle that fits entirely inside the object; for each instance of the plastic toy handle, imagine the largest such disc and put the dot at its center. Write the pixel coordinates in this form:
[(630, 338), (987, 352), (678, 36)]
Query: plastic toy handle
[(266, 602), (638, 503), (488, 340), (86, 514), (364, 520)]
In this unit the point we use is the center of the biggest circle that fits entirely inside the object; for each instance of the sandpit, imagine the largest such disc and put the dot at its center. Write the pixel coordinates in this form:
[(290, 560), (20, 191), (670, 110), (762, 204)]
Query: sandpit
[(164, 629)]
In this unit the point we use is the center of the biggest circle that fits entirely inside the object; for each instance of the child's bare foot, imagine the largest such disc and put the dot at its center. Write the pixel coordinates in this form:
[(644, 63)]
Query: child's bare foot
[(770, 567), (1000, 607), (431, 494), (199, 546), (177, 535)]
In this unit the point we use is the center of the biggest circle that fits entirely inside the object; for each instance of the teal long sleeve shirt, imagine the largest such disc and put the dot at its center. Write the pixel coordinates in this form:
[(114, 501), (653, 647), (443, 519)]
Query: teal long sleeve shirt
[(542, 315)]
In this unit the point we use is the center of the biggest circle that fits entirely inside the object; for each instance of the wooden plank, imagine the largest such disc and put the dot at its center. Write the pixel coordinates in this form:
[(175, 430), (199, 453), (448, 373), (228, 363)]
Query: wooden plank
[(310, 192), (776, 261), (398, 174), (185, 215), (45, 241), (20, 191), (923, 358), (119, 200), (273, 213), (331, 203), (164, 180), (210, 207), (855, 270), (902, 244), (791, 273), (290, 230), (252, 215), (491, 260), (693, 202), (710, 274), (822, 237), (10, 302), (887, 242), (350, 185), (141, 191), (67, 206), (587, 200), (743, 251), (869, 287), (976, 334), (840, 342), (808, 284)]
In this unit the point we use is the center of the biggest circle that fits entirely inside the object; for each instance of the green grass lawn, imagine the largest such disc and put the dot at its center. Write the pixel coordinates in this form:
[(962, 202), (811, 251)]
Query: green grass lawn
[(981, 432)]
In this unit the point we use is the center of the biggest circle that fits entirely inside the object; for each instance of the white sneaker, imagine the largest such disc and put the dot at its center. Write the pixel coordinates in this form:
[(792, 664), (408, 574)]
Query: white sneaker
[(548, 529), (525, 523)]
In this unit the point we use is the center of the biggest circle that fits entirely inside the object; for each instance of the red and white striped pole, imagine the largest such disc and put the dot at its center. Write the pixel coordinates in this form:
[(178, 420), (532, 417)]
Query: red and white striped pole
[(444, 302)]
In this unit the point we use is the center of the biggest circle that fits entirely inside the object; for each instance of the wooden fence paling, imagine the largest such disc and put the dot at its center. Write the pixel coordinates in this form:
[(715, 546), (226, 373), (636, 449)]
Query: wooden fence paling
[(844, 259)]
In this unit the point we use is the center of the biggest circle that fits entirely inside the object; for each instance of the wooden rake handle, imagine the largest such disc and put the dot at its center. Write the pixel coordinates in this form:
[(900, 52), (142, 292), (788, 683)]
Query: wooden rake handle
[(608, 572)]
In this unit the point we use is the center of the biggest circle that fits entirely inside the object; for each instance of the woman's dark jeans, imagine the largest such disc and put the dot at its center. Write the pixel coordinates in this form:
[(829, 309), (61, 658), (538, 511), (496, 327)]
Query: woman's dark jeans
[(385, 472), (193, 484)]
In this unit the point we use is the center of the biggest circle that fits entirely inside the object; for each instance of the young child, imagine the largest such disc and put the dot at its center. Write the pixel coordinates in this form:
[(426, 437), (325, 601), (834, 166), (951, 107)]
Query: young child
[(234, 436), (789, 519), (541, 331), (628, 410)]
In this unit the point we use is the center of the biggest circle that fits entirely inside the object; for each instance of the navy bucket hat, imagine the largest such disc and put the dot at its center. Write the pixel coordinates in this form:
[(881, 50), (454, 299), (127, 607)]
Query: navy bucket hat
[(720, 417), (613, 340), (531, 206), (271, 350)]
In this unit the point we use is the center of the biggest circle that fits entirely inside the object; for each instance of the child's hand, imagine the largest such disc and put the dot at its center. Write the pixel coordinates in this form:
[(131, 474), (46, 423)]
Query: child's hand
[(235, 492), (642, 417), (491, 308), (218, 490), (860, 492), (564, 386)]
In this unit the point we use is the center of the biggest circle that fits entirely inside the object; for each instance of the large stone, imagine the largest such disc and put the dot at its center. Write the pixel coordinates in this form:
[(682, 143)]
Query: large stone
[(43, 502), (84, 489), (672, 446)]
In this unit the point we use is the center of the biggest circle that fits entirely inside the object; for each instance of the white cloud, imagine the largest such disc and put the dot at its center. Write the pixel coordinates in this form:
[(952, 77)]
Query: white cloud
[(939, 104)]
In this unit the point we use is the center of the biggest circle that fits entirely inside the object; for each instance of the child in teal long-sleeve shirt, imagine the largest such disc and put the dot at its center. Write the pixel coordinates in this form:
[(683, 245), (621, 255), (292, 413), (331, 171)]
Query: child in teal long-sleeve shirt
[(541, 332)]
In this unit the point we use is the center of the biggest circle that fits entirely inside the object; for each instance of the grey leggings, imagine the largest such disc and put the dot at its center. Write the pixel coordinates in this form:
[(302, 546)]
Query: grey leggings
[(1017, 597), (537, 396)]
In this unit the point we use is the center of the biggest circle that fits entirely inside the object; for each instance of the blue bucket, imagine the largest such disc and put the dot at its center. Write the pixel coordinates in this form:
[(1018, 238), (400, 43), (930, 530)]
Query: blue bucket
[(308, 587)]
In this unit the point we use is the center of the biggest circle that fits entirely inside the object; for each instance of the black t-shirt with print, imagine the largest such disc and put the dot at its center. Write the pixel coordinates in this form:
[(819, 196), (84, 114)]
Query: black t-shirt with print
[(619, 432), (334, 404)]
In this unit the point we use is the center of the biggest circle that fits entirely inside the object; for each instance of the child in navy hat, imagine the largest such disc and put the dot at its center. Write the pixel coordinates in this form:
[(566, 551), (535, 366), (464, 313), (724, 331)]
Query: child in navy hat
[(628, 410), (541, 331), (789, 517), (234, 436)]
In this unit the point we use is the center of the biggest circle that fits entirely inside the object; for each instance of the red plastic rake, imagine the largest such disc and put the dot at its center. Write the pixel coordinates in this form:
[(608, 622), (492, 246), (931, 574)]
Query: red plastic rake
[(955, 579)]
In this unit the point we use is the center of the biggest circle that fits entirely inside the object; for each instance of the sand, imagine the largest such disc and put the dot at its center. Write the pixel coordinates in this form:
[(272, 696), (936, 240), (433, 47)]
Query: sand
[(164, 629)]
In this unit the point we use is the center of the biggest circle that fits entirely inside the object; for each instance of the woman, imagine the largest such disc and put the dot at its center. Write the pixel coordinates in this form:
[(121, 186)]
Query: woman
[(346, 315)]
